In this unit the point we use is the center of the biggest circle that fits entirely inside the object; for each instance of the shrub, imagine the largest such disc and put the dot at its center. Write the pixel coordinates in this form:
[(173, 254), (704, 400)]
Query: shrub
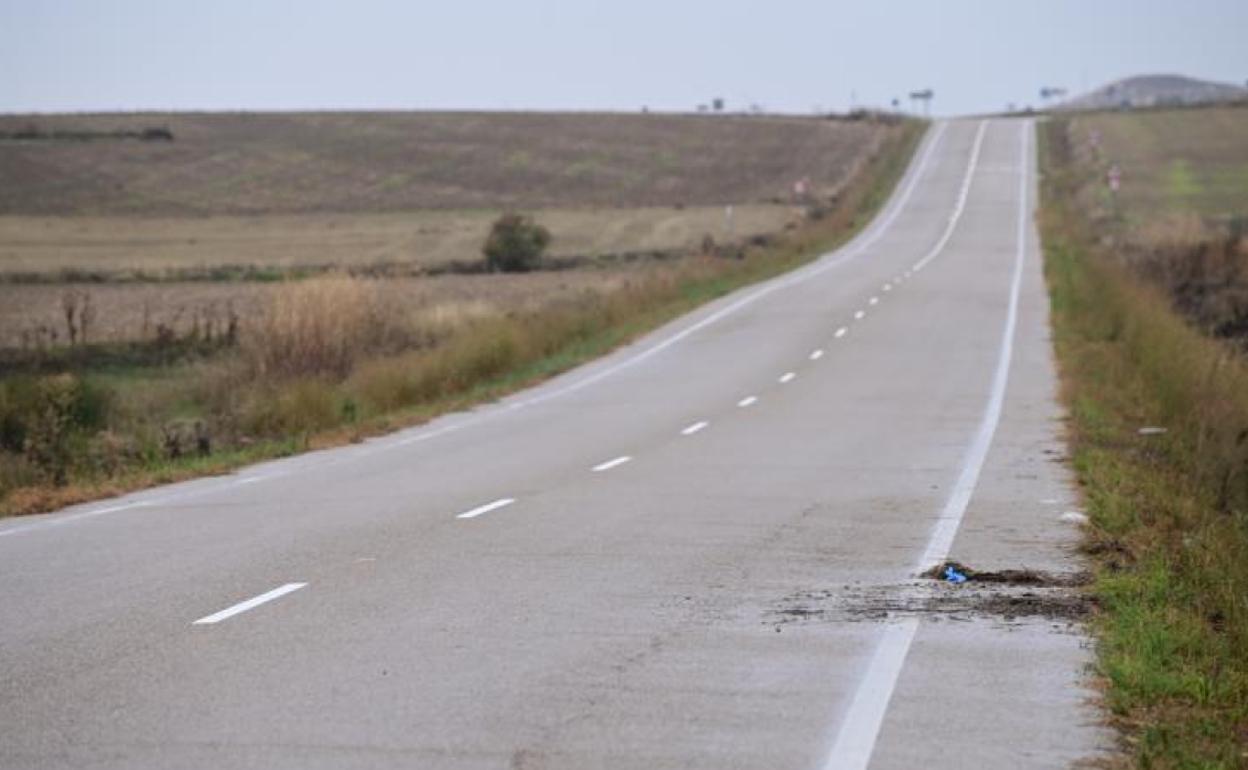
[(17, 396), (51, 426), (515, 244), (184, 437), (92, 404), (42, 418)]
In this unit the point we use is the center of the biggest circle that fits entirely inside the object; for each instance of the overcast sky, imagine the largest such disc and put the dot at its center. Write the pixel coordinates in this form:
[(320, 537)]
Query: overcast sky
[(786, 55)]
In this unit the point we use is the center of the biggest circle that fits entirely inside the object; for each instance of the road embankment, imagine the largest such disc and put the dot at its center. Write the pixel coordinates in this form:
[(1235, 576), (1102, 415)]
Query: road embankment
[(1159, 431)]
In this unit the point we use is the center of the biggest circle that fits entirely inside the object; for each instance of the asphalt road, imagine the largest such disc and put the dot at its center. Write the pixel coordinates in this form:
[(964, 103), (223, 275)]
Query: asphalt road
[(698, 552)]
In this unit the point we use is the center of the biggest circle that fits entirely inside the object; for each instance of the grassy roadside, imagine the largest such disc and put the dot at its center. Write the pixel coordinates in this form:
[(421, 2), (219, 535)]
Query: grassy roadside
[(1169, 510), (301, 410)]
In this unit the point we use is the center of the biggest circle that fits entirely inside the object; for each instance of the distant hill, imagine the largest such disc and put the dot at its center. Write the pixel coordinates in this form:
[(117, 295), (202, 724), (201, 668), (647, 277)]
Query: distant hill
[(1156, 91)]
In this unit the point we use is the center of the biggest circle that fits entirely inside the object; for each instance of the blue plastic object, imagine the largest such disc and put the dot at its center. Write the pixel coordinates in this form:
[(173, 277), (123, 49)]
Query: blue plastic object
[(953, 576)]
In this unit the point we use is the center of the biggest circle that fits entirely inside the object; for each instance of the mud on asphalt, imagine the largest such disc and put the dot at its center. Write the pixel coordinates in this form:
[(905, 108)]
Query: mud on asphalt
[(1007, 597)]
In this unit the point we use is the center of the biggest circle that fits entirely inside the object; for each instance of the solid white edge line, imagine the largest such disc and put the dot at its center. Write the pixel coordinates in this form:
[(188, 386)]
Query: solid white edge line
[(963, 193), (951, 516), (609, 464), (70, 518), (429, 434), (747, 401), (692, 429), (480, 509), (855, 742), (250, 604)]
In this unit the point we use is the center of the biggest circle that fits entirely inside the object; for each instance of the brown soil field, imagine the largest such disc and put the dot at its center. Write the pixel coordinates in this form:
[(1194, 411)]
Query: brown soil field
[(271, 163), (126, 247)]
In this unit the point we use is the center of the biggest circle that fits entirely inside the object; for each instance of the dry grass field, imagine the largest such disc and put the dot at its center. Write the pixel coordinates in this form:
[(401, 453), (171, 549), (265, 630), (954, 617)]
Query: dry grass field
[(129, 248), (1174, 163), (133, 312), (282, 163), (140, 230), (1180, 218), (263, 283)]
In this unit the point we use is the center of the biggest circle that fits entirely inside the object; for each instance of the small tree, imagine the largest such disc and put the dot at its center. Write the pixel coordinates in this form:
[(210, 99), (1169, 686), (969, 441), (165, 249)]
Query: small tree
[(515, 244)]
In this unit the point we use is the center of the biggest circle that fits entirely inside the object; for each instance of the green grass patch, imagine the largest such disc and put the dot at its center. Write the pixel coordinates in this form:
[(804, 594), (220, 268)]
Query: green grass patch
[(1181, 183)]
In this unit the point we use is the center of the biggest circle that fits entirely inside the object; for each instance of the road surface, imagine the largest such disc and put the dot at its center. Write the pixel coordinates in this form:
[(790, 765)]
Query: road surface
[(698, 552)]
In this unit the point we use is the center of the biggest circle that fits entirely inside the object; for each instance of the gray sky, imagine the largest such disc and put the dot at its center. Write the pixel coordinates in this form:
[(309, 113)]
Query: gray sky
[(787, 55)]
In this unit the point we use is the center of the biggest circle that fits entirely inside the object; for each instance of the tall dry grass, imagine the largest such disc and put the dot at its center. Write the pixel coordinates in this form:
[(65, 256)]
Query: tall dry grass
[(1207, 281), (322, 326)]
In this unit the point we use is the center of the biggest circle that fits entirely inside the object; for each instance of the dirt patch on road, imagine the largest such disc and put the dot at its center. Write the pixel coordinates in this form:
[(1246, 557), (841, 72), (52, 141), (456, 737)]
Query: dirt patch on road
[(1014, 577), (1006, 596)]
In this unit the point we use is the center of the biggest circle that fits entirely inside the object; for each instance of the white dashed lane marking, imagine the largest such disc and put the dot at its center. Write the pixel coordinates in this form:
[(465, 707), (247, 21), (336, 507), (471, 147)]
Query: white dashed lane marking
[(692, 429), (250, 604), (609, 464), (494, 506)]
